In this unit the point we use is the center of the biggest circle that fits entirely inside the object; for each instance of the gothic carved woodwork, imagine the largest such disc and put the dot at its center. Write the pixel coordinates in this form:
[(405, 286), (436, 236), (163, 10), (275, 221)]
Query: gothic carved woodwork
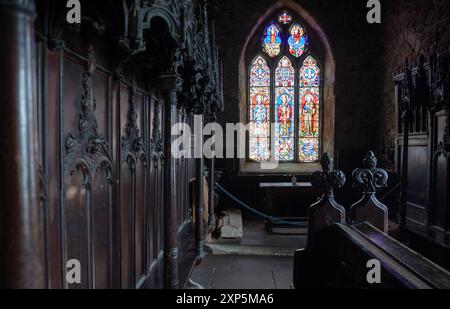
[(216, 103), (96, 135), (92, 19), (132, 142), (204, 69), (439, 216), (421, 98), (195, 56), (405, 110), (423, 141), (137, 18), (134, 194), (326, 211), (329, 179), (88, 179), (157, 140), (369, 179), (406, 98), (88, 147), (415, 98), (440, 78), (440, 71)]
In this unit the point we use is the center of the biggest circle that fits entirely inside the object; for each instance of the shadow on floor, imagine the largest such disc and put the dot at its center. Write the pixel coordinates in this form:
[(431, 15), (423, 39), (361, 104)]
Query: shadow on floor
[(258, 261), (244, 272)]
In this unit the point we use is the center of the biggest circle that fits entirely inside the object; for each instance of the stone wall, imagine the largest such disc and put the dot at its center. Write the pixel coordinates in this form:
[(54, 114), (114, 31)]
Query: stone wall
[(409, 28)]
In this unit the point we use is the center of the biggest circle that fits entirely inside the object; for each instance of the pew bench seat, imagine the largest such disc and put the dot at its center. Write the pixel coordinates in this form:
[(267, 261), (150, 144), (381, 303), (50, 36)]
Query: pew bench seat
[(340, 256)]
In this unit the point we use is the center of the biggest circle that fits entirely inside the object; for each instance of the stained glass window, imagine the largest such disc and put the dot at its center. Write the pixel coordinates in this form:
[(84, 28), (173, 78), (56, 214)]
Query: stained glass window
[(285, 18), (284, 110), (310, 73), (309, 150), (309, 107), (284, 88), (272, 41), (297, 40), (260, 110), (260, 73), (285, 73)]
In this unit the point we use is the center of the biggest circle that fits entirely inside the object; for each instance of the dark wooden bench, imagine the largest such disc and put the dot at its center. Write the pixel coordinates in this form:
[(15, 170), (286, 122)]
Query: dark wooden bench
[(339, 260), (339, 248)]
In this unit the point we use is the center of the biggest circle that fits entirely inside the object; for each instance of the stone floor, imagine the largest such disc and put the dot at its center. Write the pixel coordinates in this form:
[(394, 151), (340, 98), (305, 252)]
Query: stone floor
[(244, 272), (256, 241), (257, 261)]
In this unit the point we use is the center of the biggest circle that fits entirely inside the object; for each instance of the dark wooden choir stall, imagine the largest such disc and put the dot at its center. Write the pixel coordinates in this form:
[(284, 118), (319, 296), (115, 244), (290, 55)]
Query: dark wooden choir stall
[(87, 166), (422, 153), (341, 248)]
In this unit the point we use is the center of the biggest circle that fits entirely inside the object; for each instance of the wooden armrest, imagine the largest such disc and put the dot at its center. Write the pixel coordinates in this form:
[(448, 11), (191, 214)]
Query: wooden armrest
[(434, 275)]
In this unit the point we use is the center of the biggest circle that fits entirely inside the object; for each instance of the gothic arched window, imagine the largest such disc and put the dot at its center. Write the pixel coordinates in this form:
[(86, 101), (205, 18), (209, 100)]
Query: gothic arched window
[(284, 89)]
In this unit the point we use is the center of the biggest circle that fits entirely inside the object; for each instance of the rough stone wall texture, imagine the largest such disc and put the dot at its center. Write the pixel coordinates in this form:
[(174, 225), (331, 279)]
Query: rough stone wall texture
[(409, 28), (357, 50)]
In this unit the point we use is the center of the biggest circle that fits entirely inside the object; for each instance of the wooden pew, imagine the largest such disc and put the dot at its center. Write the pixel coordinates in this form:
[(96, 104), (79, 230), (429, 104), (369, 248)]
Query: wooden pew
[(337, 254)]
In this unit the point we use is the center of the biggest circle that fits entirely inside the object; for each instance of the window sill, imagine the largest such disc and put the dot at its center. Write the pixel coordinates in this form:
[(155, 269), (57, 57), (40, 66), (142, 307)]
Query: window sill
[(283, 168)]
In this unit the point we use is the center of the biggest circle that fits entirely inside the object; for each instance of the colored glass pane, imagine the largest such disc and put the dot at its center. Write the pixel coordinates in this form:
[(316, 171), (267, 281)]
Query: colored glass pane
[(297, 40), (309, 150), (259, 123), (309, 112), (259, 149), (285, 73), (310, 73), (285, 18), (284, 123), (259, 73), (272, 41)]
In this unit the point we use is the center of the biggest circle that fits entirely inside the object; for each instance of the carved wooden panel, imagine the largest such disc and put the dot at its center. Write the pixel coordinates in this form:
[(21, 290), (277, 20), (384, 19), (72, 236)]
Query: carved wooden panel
[(76, 222), (126, 205), (101, 135), (419, 167), (141, 204), (441, 206), (440, 175), (102, 227), (418, 180), (53, 148)]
